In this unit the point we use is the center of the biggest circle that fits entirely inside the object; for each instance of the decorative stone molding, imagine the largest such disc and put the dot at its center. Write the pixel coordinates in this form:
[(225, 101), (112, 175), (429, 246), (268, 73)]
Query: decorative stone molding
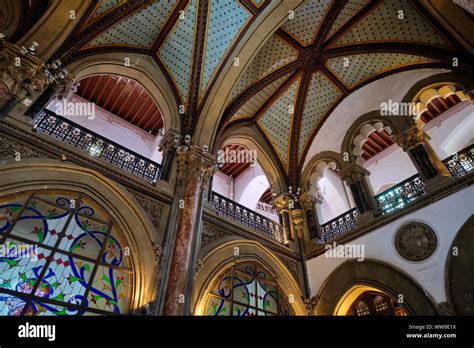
[(310, 304), (211, 234), (416, 241), (194, 160), (10, 148), (21, 72), (298, 221), (170, 139), (283, 202), (157, 251), (152, 208), (315, 250), (415, 142), (237, 229), (292, 267), (55, 149)]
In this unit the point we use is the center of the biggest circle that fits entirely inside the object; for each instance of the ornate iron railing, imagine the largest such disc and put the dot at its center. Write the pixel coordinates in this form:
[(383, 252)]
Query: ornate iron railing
[(461, 163), (236, 212), (68, 132), (339, 225), (399, 196)]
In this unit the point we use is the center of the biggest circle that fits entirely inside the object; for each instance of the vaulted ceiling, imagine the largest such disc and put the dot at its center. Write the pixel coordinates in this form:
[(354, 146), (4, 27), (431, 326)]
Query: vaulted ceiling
[(323, 52), (189, 40), (125, 98)]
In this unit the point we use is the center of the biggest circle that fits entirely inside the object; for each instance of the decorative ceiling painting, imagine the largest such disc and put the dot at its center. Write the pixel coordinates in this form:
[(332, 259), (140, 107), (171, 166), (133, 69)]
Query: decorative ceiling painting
[(189, 40), (336, 47), (325, 50)]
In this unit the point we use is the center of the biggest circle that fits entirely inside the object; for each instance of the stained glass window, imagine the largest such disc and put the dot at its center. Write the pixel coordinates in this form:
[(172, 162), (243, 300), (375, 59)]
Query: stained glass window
[(246, 289), (61, 254)]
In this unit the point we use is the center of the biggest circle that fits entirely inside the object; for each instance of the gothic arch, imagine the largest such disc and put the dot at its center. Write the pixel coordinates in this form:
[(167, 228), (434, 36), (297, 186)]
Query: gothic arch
[(396, 124), (249, 138), (140, 236), (453, 77), (11, 12), (259, 32), (223, 256), (151, 78), (374, 274), (459, 271), (325, 156)]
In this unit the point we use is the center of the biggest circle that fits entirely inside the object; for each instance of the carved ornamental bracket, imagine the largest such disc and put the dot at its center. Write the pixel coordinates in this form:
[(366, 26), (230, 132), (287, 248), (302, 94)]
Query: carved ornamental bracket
[(196, 161)]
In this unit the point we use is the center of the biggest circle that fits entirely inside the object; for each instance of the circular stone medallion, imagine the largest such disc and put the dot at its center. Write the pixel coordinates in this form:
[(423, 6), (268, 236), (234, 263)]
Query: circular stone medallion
[(415, 241)]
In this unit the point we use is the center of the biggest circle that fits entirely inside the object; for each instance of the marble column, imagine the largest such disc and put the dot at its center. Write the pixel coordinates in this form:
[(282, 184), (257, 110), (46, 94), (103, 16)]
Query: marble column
[(195, 166), (356, 178), (415, 142), (283, 203)]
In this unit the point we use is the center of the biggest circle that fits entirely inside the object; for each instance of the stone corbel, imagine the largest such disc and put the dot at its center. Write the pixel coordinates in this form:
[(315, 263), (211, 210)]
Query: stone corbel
[(311, 304), (170, 140)]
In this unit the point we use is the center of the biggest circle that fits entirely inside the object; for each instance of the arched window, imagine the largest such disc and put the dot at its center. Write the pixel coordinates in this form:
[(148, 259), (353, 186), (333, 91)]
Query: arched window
[(246, 289), (361, 309), (61, 254), (375, 303)]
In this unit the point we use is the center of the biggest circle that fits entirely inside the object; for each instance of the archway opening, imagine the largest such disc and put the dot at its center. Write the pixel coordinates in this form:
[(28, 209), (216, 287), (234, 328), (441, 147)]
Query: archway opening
[(117, 108), (363, 300), (241, 178)]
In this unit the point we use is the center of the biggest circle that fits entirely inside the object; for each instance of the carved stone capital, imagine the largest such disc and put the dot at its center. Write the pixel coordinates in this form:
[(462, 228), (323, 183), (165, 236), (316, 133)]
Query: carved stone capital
[(308, 200), (353, 173), (21, 72), (411, 137), (193, 160), (310, 304), (169, 139), (65, 86), (283, 202)]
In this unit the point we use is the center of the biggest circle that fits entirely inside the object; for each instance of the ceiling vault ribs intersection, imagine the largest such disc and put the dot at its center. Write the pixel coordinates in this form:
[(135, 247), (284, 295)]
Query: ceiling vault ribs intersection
[(322, 64), (177, 34), (309, 48)]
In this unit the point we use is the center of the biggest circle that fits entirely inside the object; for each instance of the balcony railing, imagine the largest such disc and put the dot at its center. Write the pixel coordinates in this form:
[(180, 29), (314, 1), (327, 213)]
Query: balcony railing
[(461, 163), (399, 196), (68, 132), (236, 212), (339, 225)]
